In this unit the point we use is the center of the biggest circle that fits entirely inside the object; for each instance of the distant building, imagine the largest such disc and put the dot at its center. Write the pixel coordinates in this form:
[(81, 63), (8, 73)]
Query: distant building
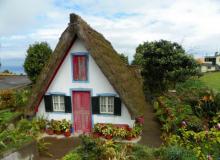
[(210, 63)]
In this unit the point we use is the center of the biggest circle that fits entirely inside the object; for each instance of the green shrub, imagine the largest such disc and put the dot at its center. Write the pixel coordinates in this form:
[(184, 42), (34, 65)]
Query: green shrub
[(194, 123), (97, 149), (177, 153), (24, 125), (21, 97), (72, 156), (7, 98), (12, 139), (202, 143), (142, 153)]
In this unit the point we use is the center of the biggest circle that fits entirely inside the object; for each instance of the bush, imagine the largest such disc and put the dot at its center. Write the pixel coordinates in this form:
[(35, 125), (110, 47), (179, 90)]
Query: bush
[(21, 97), (97, 149), (72, 156), (24, 125), (194, 123), (139, 152), (177, 153), (201, 144), (7, 98), (12, 139)]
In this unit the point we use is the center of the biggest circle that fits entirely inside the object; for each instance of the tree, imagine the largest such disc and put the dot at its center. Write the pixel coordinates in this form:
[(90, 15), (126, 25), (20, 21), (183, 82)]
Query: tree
[(164, 64), (124, 58), (37, 56)]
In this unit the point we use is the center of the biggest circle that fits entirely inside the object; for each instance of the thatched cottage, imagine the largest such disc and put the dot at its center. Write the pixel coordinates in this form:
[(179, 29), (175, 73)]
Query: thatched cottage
[(86, 82)]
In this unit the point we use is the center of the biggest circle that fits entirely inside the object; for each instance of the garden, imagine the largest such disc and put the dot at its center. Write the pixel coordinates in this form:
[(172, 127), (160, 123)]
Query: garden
[(119, 132), (190, 118), (99, 149)]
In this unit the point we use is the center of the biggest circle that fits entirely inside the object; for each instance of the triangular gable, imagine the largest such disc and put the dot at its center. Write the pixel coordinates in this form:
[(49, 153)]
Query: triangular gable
[(121, 78)]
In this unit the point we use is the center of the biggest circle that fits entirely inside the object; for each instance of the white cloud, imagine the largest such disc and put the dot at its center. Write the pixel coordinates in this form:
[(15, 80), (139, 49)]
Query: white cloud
[(126, 23)]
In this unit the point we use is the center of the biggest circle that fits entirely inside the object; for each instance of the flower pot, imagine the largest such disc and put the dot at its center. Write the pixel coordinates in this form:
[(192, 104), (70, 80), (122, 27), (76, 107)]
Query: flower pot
[(108, 137), (49, 131), (58, 132), (67, 134), (97, 135), (128, 138)]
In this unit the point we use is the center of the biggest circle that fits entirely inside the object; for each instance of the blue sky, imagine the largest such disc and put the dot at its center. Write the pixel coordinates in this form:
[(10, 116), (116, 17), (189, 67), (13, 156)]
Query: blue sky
[(125, 23)]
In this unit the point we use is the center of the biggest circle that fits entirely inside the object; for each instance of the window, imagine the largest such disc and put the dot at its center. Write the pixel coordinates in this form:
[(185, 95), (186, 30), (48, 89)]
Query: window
[(80, 67), (58, 103), (106, 105)]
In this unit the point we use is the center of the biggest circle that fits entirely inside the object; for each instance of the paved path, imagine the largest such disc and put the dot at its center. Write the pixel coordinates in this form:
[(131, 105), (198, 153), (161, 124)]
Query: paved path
[(151, 130), (13, 81)]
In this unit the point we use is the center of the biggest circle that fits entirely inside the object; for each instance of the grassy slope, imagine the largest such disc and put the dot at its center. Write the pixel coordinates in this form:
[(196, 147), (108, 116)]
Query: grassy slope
[(212, 80)]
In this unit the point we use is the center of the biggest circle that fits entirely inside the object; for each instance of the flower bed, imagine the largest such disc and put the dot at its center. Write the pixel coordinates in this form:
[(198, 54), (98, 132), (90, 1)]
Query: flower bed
[(121, 132), (58, 127)]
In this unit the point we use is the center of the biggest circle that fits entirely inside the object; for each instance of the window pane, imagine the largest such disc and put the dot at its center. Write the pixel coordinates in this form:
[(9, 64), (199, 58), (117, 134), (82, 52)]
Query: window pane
[(58, 103), (61, 99), (107, 104), (79, 68)]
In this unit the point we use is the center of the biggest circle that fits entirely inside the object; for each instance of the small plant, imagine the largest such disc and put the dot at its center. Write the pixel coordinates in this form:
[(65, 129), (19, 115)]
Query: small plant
[(64, 125), (43, 147)]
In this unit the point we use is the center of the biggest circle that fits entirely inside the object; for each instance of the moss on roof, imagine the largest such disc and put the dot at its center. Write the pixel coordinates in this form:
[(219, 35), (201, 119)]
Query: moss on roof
[(119, 75)]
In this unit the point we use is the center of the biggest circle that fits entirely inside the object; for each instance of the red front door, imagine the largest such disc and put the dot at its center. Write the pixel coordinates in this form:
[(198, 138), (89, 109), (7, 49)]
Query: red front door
[(81, 111)]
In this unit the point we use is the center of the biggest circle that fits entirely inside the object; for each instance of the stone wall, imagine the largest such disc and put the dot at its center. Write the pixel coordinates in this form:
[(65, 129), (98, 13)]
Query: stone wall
[(28, 151)]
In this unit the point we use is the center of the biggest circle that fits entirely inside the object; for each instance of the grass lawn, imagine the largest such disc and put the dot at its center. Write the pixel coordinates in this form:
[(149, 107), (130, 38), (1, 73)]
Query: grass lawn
[(212, 80)]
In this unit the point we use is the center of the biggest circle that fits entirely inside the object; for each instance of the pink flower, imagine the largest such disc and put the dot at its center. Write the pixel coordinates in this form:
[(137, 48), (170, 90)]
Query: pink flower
[(218, 126), (209, 157)]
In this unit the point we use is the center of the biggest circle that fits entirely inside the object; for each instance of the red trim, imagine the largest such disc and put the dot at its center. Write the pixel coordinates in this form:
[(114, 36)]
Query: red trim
[(54, 74)]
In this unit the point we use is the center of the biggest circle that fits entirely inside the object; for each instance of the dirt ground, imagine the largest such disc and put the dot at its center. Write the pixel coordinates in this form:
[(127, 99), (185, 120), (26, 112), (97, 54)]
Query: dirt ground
[(151, 131), (59, 147)]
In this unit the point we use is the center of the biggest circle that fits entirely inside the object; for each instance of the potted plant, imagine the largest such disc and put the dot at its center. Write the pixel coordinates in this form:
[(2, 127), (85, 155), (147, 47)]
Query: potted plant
[(49, 130), (122, 132), (107, 131), (129, 135), (56, 127), (67, 133), (64, 125)]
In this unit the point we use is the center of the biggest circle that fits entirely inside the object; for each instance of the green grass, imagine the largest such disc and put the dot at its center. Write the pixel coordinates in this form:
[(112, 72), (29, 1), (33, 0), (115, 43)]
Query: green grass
[(212, 80)]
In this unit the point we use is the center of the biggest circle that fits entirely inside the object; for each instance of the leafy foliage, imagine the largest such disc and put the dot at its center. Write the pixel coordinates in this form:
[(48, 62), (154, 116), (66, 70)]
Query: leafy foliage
[(202, 143), (6, 117), (177, 153), (13, 99), (7, 99), (164, 64), (37, 56), (97, 149)]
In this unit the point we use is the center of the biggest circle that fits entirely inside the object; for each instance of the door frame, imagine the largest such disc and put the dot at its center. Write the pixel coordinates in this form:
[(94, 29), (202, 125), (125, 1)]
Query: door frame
[(71, 95)]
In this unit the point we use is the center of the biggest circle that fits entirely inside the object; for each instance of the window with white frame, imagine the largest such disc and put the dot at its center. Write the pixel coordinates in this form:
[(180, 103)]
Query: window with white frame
[(106, 104), (58, 103)]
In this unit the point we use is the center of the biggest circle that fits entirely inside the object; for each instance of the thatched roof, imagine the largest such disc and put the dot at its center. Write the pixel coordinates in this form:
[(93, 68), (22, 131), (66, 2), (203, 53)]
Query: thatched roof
[(119, 75)]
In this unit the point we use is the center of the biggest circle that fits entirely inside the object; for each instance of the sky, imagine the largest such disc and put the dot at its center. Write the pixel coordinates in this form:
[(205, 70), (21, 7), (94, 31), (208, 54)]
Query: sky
[(195, 24)]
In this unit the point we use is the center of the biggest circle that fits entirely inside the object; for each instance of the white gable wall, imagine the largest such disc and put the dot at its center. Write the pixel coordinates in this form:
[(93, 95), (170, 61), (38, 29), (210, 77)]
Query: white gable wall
[(98, 84)]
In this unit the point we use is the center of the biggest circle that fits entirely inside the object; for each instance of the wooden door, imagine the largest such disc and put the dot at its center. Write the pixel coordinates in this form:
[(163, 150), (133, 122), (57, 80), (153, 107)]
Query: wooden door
[(81, 111)]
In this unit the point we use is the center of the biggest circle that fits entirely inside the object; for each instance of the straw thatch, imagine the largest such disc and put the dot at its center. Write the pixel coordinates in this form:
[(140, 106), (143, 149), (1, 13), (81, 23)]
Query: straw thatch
[(119, 75)]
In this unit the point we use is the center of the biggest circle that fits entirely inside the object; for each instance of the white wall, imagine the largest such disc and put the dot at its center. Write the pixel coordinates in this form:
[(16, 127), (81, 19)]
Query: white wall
[(218, 60), (97, 83), (206, 69)]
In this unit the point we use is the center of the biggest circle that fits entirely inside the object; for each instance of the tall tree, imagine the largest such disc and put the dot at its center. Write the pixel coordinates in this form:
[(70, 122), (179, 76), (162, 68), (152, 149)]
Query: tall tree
[(37, 56), (164, 63)]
